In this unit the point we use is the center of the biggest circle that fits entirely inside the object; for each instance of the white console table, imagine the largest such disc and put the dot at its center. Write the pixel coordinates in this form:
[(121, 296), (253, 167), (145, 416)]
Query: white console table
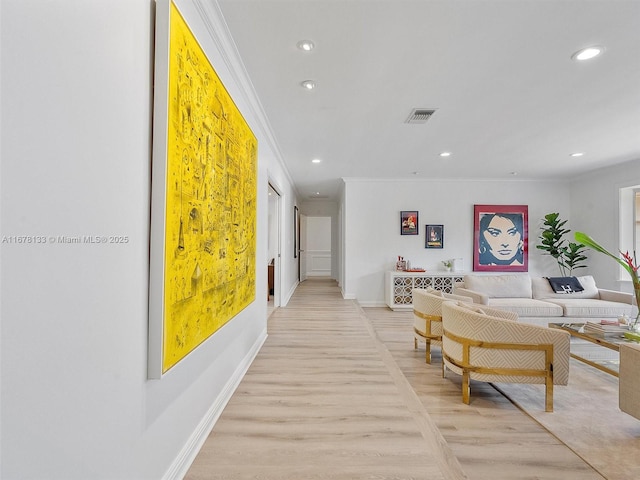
[(398, 285)]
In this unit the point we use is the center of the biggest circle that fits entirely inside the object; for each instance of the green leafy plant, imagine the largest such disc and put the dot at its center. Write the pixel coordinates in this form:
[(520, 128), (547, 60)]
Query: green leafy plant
[(568, 255)]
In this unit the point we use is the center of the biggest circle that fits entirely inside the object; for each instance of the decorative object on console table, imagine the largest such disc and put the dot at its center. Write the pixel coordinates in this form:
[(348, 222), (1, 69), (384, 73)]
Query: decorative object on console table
[(458, 264), (398, 286), (435, 236), (447, 264), (500, 238), (627, 262), (409, 222)]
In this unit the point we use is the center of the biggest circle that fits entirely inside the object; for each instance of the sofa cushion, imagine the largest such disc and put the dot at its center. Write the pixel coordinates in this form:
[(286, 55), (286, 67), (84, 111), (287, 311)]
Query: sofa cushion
[(590, 307), (542, 290), (500, 286), (527, 307)]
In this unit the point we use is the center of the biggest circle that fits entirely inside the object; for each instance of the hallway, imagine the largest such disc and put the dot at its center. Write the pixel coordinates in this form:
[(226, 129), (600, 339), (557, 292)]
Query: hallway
[(338, 392)]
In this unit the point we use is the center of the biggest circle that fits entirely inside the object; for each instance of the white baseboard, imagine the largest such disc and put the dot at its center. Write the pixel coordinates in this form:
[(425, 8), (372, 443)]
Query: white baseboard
[(285, 300), (372, 303), (180, 466)]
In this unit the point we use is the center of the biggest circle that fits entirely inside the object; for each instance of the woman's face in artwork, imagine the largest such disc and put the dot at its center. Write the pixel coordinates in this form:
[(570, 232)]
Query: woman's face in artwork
[(503, 238)]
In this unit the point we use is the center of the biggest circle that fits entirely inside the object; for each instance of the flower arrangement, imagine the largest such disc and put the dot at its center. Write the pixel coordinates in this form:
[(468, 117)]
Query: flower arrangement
[(627, 261), (447, 264)]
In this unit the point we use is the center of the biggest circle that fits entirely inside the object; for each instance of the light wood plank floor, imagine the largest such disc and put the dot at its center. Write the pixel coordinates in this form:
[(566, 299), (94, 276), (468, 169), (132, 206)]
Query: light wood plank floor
[(337, 392)]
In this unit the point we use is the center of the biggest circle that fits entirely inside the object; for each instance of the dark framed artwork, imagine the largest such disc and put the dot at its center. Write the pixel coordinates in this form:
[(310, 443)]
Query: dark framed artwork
[(435, 236), (501, 235), (296, 232), (409, 222)]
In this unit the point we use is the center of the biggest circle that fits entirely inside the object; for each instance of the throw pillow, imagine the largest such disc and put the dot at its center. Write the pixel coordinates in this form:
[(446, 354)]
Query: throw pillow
[(500, 286), (566, 285)]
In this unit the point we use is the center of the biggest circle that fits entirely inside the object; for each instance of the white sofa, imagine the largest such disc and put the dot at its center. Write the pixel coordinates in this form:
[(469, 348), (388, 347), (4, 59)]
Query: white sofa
[(535, 302)]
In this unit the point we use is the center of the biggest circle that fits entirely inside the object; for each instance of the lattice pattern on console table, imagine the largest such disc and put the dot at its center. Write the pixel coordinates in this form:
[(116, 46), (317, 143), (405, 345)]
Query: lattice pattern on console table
[(398, 285)]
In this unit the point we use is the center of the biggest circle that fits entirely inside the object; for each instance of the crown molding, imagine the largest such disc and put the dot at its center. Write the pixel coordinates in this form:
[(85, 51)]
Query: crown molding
[(214, 22)]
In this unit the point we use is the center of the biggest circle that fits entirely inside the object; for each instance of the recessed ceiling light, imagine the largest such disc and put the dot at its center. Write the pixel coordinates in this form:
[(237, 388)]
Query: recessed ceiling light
[(308, 84), (587, 53), (316, 160), (445, 154), (306, 45), (317, 193), (577, 154)]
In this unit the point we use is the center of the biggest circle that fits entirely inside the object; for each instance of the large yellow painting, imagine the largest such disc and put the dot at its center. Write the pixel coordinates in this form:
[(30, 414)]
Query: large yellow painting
[(210, 224)]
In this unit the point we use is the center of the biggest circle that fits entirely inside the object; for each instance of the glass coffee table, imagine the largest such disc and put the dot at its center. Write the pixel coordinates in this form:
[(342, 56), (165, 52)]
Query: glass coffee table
[(609, 363)]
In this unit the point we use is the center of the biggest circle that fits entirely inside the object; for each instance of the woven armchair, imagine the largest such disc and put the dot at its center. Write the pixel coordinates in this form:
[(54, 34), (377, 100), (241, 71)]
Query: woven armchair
[(629, 384), (427, 316), (487, 348)]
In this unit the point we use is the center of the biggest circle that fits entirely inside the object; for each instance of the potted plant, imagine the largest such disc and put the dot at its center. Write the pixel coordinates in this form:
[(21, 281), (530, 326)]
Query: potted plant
[(568, 255), (447, 264)]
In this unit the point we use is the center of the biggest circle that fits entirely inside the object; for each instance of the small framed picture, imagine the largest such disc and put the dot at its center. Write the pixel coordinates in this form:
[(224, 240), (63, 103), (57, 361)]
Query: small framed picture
[(409, 222), (435, 236)]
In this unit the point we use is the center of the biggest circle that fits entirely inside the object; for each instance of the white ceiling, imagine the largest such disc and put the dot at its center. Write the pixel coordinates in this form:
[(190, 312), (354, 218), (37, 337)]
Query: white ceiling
[(509, 98)]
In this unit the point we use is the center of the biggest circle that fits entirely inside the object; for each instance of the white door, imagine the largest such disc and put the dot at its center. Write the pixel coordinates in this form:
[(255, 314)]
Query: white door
[(303, 248), (318, 247)]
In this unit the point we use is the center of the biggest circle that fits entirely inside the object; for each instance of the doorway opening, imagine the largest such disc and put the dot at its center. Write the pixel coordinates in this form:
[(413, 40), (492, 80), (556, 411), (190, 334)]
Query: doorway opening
[(273, 248), (315, 242)]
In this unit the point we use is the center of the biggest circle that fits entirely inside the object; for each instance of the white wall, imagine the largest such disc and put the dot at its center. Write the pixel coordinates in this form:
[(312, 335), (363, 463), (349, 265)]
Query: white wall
[(595, 211), (76, 142), (372, 224)]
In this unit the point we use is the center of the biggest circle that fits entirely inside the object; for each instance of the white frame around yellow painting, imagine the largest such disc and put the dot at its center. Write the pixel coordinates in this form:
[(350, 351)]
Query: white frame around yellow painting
[(204, 199)]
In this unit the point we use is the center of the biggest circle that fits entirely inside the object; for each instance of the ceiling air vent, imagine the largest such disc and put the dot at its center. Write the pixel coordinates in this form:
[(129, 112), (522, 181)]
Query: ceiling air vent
[(420, 115)]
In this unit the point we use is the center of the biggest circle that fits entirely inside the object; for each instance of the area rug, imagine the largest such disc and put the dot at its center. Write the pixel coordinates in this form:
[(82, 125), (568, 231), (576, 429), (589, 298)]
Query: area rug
[(587, 419)]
